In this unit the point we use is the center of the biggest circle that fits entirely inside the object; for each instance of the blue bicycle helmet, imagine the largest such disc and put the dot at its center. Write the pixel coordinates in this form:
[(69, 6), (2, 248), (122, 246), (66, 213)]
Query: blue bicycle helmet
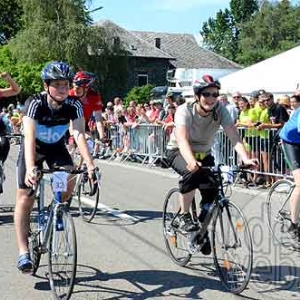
[(205, 82), (57, 70)]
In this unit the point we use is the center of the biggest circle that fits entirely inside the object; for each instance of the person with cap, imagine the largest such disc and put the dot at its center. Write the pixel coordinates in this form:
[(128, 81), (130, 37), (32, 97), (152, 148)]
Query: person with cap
[(190, 146)]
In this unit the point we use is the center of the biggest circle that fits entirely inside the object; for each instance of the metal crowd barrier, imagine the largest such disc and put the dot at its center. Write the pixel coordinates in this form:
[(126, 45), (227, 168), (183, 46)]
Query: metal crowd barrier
[(146, 143)]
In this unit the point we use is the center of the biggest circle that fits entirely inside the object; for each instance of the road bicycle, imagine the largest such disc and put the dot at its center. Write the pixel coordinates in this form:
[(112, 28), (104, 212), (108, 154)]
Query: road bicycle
[(230, 234), (86, 191), (278, 211), (52, 231)]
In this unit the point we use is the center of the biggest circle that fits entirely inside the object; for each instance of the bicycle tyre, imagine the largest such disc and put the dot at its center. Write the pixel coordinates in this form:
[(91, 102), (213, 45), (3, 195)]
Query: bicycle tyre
[(34, 237), (277, 199), (234, 275), (87, 207), (174, 240), (63, 247)]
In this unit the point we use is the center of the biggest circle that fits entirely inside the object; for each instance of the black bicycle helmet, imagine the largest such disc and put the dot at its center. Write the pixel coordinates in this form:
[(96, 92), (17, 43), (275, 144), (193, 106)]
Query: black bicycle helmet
[(57, 70), (205, 82)]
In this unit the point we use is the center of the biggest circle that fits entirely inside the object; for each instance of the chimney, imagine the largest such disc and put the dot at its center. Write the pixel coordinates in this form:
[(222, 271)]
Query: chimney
[(157, 43)]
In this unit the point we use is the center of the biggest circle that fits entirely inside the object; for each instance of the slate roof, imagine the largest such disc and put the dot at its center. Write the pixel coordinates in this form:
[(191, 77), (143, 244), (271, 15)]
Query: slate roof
[(182, 50), (133, 44), (187, 51)]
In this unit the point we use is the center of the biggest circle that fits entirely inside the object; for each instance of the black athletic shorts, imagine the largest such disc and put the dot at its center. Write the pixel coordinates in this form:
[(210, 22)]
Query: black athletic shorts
[(191, 181), (53, 154), (291, 155)]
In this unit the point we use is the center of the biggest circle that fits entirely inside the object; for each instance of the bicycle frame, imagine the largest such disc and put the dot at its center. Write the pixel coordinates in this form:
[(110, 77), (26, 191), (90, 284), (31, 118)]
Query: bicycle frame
[(215, 210), (45, 229)]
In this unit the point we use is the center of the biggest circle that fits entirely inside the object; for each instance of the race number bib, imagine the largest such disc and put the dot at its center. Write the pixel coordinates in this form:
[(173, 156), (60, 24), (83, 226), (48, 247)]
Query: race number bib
[(60, 181)]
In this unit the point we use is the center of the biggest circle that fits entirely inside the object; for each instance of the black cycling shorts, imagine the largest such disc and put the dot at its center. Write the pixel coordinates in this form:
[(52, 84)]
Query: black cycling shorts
[(53, 154), (191, 181), (291, 155)]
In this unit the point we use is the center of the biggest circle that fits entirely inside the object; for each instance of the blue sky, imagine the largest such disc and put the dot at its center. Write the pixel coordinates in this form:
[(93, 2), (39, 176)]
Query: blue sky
[(176, 16)]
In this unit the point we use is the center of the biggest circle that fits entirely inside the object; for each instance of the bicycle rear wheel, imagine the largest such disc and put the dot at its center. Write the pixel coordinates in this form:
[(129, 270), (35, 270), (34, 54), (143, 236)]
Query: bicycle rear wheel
[(176, 241), (278, 210), (232, 248), (88, 199), (62, 258), (34, 237)]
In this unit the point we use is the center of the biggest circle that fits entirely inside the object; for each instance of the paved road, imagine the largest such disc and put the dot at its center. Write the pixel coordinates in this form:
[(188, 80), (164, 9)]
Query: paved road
[(124, 257)]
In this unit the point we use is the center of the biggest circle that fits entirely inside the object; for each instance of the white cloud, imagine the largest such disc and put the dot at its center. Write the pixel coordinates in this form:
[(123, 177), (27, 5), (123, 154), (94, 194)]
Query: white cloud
[(183, 5)]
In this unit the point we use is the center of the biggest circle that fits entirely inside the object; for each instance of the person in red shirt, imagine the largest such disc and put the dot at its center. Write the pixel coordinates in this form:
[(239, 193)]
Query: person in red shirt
[(90, 100)]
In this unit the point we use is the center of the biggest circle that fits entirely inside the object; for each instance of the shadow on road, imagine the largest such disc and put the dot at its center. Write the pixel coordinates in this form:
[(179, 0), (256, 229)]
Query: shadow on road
[(145, 284), (5, 217), (274, 278)]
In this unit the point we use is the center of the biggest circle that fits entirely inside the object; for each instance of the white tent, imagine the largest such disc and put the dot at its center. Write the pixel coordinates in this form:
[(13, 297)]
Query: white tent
[(279, 74)]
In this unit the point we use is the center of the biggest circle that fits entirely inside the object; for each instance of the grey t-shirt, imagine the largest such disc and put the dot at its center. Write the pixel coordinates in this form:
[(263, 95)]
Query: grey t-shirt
[(201, 130)]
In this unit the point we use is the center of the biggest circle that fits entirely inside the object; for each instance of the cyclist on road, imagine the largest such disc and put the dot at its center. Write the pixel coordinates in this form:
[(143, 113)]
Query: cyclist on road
[(290, 137), (190, 146), (47, 117), (91, 102)]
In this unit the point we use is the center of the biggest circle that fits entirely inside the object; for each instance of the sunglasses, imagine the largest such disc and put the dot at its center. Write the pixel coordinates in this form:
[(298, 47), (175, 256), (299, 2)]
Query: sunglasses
[(207, 94), (266, 100), (236, 97)]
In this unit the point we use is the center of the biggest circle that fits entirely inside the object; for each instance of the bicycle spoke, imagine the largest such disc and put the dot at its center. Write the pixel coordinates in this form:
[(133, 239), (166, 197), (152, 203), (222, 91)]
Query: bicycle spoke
[(232, 246), (63, 258), (175, 241), (279, 216)]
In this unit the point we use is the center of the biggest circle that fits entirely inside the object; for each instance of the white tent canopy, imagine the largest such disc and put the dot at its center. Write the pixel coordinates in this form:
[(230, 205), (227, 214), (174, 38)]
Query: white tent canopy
[(279, 74)]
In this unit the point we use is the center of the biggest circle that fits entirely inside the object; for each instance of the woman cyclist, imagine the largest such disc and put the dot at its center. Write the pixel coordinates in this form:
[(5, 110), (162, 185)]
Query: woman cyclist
[(190, 146)]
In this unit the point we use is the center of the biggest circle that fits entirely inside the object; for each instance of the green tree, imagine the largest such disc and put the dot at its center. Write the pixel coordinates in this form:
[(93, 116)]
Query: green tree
[(62, 31), (139, 94), (10, 19), (221, 34), (272, 30)]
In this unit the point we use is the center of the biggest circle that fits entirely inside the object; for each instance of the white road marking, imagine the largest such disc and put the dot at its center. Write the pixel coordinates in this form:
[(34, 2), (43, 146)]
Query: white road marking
[(117, 213)]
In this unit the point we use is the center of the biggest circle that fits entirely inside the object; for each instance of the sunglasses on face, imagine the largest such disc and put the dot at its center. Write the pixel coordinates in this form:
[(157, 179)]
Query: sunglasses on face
[(266, 100), (207, 94)]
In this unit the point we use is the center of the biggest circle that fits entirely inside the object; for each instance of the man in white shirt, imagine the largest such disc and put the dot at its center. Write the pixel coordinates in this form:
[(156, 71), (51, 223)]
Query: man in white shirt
[(230, 107)]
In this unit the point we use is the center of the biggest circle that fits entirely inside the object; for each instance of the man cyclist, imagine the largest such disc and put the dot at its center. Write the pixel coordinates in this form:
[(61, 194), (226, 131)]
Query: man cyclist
[(91, 102), (47, 117), (290, 137), (190, 146)]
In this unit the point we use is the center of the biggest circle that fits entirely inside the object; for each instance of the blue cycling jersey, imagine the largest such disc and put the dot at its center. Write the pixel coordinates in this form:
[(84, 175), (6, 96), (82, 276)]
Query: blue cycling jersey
[(290, 132), (52, 124)]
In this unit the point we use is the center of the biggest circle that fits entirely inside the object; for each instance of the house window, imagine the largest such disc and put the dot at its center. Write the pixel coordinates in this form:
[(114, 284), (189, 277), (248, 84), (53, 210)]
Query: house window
[(142, 79)]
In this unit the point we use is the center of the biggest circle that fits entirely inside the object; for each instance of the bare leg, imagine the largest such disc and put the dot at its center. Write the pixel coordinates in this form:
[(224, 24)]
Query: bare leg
[(23, 208), (185, 201)]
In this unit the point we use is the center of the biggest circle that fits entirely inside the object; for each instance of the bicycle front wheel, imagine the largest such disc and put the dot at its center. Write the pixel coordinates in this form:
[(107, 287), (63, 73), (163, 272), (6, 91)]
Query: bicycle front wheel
[(62, 258), (34, 238), (278, 211), (88, 199), (176, 242), (232, 248)]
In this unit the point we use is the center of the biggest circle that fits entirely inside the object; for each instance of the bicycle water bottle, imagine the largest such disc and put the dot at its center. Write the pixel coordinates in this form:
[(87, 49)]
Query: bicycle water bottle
[(204, 210)]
